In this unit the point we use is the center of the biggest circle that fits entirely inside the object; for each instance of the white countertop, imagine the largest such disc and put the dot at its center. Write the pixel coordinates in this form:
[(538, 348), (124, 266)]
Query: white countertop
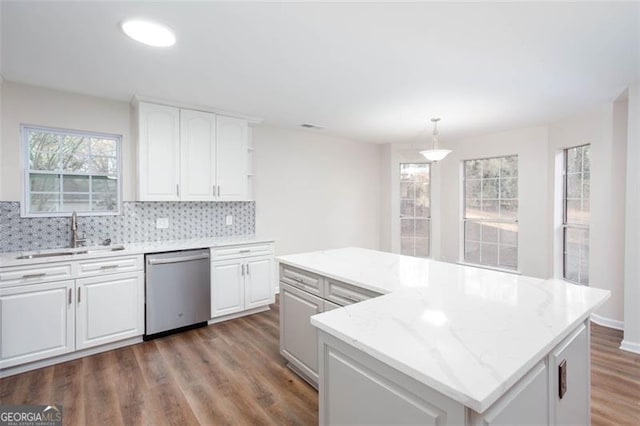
[(11, 258), (466, 332)]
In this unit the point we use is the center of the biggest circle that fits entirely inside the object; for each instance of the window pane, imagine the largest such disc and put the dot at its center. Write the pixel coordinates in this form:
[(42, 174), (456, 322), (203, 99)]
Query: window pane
[(489, 254), (104, 184), (576, 248), (509, 166), (104, 202), (422, 228), (75, 145), (472, 231), (509, 188), (407, 227), (490, 189), (472, 189), (103, 165), (574, 160), (575, 214), (44, 183), (45, 202), (77, 202), (407, 207), (407, 190), (472, 169), (43, 142), (71, 183), (75, 163), (472, 252), (43, 161), (574, 185), (106, 147), (491, 168), (508, 257), (490, 232), (586, 158), (491, 197)]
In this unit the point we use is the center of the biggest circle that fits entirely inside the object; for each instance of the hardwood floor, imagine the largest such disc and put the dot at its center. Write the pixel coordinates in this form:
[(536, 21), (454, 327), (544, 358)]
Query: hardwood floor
[(232, 373)]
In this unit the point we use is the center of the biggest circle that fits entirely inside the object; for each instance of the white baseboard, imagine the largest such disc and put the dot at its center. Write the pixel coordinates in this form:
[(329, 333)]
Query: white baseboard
[(607, 322), (630, 346)]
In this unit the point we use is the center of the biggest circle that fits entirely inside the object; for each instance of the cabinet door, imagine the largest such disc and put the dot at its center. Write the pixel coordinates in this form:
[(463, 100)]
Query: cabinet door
[(573, 355), (197, 155), (259, 279), (36, 322), (298, 338), (227, 287), (109, 308), (232, 143), (158, 152)]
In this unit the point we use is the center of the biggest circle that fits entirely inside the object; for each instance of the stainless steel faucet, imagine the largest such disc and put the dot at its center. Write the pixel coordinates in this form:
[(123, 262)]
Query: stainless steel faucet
[(75, 240)]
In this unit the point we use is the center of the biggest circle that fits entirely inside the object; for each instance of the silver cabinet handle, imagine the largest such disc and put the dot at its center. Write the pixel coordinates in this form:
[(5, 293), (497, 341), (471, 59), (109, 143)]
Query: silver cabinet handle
[(218, 190), (79, 288), (107, 267), (244, 251), (351, 298), (177, 189), (34, 275), (247, 269), (214, 190), (69, 296)]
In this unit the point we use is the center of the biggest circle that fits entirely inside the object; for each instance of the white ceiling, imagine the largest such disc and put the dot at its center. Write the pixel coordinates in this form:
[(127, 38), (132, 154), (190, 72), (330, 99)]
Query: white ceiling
[(369, 71)]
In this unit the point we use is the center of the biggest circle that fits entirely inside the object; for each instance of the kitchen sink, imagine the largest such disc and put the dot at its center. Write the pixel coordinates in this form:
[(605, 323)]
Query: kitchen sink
[(71, 252)]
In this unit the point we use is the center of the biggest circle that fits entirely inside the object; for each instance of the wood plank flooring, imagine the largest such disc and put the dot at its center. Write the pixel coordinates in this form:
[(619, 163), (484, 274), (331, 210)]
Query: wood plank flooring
[(232, 373)]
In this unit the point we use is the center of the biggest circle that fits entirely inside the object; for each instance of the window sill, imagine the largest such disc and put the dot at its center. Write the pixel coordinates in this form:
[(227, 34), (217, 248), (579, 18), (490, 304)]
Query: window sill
[(491, 268)]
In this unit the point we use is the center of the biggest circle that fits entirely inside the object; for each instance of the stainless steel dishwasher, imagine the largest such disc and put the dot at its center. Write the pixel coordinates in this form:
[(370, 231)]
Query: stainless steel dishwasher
[(178, 291)]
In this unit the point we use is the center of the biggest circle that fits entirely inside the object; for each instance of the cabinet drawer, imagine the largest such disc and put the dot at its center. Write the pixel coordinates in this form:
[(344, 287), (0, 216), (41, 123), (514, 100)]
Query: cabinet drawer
[(346, 294), (230, 252), (301, 279), (34, 274), (92, 267)]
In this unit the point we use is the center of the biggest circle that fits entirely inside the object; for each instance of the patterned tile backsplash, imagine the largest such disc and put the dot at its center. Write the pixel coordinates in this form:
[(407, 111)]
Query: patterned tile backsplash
[(137, 223)]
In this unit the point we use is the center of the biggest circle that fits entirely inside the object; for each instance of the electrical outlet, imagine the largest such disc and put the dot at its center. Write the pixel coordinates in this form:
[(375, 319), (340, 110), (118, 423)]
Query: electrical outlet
[(162, 223), (229, 220)]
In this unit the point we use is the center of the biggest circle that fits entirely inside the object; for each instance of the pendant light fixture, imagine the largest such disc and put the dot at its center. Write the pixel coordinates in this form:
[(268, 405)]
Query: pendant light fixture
[(435, 154)]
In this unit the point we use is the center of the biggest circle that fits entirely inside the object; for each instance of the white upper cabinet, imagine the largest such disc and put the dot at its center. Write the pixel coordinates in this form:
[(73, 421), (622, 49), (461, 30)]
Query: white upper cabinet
[(188, 155), (158, 153), (232, 155), (197, 155)]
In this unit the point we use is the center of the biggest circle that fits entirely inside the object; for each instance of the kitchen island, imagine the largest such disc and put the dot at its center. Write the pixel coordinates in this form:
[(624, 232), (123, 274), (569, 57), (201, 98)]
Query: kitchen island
[(445, 343)]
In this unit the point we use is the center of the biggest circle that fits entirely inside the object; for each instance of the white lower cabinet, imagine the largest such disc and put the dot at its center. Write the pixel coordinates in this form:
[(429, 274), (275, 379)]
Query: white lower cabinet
[(48, 319), (227, 287), (298, 338), (37, 321), (109, 308), (241, 280)]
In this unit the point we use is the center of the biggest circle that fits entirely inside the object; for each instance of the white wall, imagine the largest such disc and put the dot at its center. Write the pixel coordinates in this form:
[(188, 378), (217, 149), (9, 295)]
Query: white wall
[(24, 104), (315, 192), (596, 127), (632, 250), (530, 144)]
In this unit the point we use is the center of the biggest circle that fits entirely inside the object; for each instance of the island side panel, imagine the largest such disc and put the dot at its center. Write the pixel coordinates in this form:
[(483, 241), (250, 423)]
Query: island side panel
[(355, 388)]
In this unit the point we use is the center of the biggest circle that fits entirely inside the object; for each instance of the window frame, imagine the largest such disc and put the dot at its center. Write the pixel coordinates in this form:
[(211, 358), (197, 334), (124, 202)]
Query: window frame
[(429, 218), (26, 183), (480, 221), (565, 225)]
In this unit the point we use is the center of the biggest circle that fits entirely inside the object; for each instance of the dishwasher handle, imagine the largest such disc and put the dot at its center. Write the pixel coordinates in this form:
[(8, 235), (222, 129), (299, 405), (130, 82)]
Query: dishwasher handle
[(161, 261)]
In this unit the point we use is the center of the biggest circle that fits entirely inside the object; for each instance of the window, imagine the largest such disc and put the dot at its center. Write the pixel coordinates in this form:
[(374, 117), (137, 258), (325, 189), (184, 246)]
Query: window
[(68, 170), (490, 215), (415, 209), (576, 213)]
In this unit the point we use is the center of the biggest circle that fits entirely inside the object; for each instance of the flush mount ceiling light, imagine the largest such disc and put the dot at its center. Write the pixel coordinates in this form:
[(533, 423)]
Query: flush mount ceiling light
[(149, 33), (435, 154)]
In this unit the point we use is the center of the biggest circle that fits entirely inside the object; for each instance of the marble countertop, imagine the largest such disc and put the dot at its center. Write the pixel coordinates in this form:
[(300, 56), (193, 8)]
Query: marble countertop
[(11, 258), (466, 332)]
